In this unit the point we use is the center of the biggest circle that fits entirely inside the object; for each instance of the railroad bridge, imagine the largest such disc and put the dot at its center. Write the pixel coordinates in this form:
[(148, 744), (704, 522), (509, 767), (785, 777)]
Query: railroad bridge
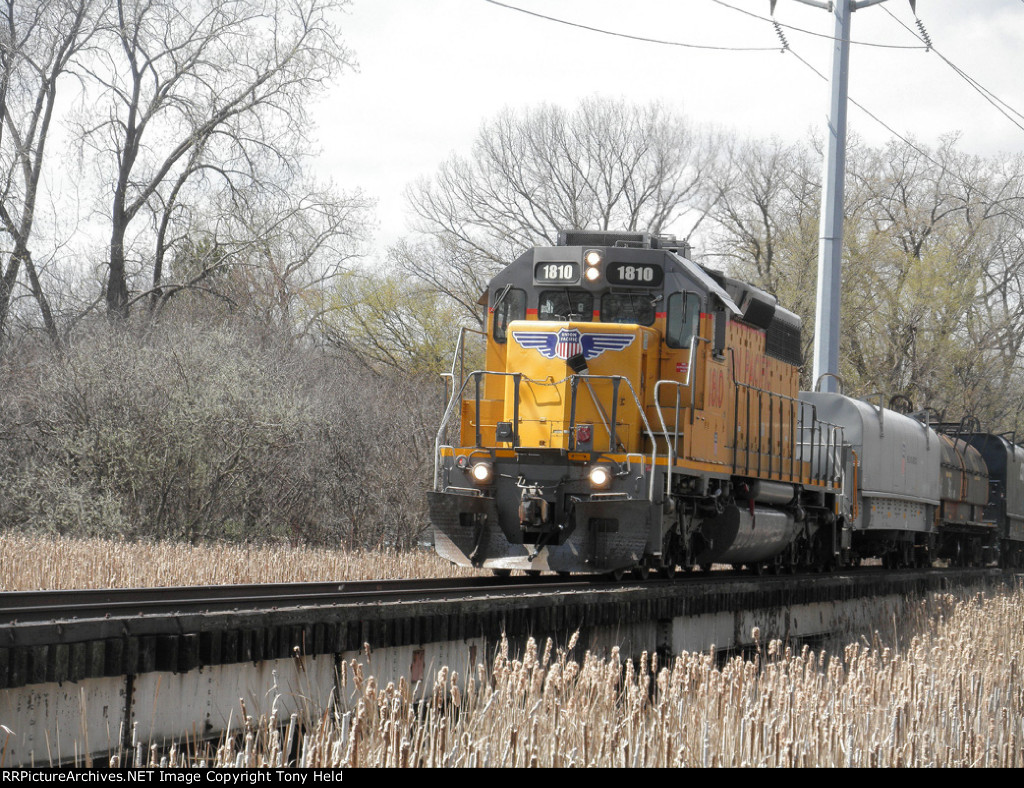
[(93, 673)]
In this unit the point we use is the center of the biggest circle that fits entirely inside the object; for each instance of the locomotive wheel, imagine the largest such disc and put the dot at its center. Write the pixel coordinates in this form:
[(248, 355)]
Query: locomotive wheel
[(617, 574), (501, 572), (668, 571), (641, 571), (532, 573)]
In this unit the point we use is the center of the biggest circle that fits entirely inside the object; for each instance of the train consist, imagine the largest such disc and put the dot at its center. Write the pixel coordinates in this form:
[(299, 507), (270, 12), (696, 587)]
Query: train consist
[(637, 412)]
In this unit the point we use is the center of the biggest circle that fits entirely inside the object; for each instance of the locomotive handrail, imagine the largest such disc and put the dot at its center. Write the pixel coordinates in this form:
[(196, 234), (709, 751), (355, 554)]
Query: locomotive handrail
[(617, 380), (477, 375), (442, 430), (691, 377), (833, 444), (459, 356), (824, 436), (586, 378), (672, 446), (608, 424)]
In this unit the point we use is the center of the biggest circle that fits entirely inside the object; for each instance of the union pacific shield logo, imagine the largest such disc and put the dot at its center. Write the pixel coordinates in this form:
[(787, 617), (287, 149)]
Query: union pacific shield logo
[(568, 342)]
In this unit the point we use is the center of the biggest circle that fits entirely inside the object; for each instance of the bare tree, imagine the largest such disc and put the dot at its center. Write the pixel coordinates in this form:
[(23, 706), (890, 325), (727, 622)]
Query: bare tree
[(40, 41), (605, 165), (205, 94), (932, 264), (765, 221), (933, 251), (271, 255)]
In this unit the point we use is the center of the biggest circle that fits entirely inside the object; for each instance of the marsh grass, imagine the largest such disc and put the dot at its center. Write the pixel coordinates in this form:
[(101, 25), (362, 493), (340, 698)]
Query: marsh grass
[(32, 563)]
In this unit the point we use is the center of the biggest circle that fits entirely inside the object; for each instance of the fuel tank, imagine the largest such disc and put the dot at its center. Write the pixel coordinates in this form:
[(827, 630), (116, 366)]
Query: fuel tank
[(746, 535)]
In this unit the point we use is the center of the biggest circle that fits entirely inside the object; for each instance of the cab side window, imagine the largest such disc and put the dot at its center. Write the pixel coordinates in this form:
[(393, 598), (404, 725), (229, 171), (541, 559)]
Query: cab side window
[(683, 319), (511, 306)]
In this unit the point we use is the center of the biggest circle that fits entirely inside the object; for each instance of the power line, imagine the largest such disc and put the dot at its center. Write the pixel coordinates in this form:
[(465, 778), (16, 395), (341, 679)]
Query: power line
[(777, 24), (629, 36), (909, 143), (984, 92), (787, 48), (878, 120), (864, 109)]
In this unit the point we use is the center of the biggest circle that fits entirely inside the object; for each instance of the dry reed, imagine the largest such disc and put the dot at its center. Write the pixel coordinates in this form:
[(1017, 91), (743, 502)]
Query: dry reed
[(31, 563)]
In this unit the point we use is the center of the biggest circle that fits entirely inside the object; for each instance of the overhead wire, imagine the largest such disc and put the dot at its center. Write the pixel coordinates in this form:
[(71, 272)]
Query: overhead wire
[(913, 146), (772, 21), (618, 34), (787, 48), (924, 154), (984, 92)]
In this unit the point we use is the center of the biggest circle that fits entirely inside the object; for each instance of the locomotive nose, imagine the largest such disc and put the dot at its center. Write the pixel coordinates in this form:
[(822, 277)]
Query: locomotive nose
[(561, 391)]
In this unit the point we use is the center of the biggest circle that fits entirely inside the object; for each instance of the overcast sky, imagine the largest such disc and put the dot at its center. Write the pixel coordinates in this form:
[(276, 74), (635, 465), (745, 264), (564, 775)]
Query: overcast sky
[(431, 71)]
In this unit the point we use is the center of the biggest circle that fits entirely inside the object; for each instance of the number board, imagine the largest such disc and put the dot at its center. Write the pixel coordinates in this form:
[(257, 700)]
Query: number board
[(556, 272), (635, 274)]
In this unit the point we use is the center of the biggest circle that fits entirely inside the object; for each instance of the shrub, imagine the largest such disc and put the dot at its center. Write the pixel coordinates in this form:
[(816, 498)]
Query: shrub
[(195, 433)]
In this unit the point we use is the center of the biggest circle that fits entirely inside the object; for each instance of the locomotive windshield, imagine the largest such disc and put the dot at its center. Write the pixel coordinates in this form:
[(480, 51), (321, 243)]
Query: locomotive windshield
[(628, 308), (561, 304)]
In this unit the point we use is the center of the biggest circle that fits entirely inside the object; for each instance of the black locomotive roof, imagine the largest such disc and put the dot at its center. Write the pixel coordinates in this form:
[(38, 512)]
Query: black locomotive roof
[(746, 302), (680, 273)]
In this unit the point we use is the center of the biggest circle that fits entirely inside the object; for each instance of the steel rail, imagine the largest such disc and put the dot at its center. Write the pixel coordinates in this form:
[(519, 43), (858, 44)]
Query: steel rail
[(43, 619), (34, 606)]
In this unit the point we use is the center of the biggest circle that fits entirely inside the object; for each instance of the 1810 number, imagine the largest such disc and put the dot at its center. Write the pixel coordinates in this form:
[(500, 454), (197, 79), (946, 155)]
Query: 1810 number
[(556, 272), (631, 274)]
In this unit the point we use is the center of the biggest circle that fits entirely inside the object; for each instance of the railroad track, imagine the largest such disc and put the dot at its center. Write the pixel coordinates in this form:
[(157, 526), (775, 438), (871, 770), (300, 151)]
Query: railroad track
[(23, 607), (19, 608), (47, 635)]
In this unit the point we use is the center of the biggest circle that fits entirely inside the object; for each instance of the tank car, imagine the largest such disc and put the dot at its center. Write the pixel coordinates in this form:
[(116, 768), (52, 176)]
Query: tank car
[(635, 411)]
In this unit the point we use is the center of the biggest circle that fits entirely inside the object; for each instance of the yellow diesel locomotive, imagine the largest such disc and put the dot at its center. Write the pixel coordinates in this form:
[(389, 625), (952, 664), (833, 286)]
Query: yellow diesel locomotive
[(635, 412)]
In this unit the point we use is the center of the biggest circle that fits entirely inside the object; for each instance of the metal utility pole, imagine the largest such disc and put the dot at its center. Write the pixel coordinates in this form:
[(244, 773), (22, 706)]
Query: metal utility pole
[(830, 248)]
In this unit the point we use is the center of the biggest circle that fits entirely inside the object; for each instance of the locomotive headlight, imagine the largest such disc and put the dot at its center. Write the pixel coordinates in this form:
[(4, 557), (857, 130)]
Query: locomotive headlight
[(482, 472), (600, 477), (593, 274), (592, 257)]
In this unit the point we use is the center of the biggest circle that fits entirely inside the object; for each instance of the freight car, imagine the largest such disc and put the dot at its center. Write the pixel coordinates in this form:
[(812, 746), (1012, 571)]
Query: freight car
[(636, 411)]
